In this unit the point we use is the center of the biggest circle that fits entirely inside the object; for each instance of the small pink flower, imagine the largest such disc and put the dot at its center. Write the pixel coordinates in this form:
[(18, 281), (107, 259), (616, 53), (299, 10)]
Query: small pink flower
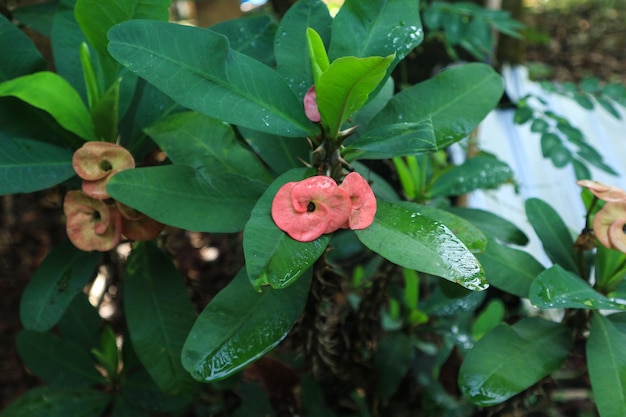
[(363, 201), (310, 105), (307, 209), (96, 162), (91, 224), (609, 223)]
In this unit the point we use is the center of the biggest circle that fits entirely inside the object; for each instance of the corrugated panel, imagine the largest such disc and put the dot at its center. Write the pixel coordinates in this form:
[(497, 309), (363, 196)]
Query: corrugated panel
[(536, 176)]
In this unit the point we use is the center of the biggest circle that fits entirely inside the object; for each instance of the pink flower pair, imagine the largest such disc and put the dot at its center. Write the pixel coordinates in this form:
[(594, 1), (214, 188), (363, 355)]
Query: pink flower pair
[(609, 223), (307, 209), (92, 224)]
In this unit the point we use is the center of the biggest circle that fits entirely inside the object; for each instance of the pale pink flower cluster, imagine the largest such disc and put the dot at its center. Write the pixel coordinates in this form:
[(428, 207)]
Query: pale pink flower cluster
[(609, 223)]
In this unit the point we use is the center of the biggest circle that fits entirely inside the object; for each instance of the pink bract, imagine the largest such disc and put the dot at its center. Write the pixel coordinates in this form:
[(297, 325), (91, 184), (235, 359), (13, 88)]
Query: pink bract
[(95, 162), (602, 191), (310, 105), (363, 201), (307, 209), (91, 224), (608, 225)]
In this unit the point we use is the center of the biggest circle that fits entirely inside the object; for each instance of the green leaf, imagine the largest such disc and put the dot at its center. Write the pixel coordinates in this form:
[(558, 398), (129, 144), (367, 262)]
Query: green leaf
[(549, 142), (583, 101), (580, 170), (388, 141), (57, 361), (272, 257), (290, 44), (539, 126), (609, 107), (159, 316), (224, 84), (51, 93), (510, 359), (240, 325), (553, 233), (488, 319), (105, 113), (107, 352), (60, 277), (479, 172), (251, 35), (29, 165), (469, 234), (58, 402), (392, 361), (412, 240), (279, 153), (610, 268), (522, 115), (456, 100), (508, 269), (317, 54), (491, 224), (560, 156), (37, 16), (89, 73), (376, 28), (199, 141), (180, 196), (96, 18), (607, 366), (345, 87), (80, 323), (15, 64), (558, 288), (66, 38)]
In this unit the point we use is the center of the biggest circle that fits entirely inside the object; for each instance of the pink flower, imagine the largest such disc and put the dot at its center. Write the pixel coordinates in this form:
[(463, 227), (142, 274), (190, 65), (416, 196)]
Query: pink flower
[(310, 105), (610, 221), (96, 162), (363, 201), (307, 209), (608, 225), (91, 224)]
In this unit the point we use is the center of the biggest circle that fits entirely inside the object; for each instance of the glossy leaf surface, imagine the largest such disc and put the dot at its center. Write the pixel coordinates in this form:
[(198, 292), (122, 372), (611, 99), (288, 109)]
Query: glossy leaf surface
[(159, 315), (456, 100), (290, 44), (224, 84), (51, 93), (209, 144), (60, 277), (510, 359), (345, 87), (272, 257), (29, 165), (240, 325), (479, 172), (607, 366), (279, 153), (558, 288), (57, 402), (27, 61), (57, 361), (376, 28), (553, 233), (412, 240), (96, 18), (178, 195), (399, 139)]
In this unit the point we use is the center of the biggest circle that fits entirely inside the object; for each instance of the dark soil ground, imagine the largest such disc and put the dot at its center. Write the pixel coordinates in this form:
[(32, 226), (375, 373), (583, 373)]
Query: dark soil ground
[(581, 41)]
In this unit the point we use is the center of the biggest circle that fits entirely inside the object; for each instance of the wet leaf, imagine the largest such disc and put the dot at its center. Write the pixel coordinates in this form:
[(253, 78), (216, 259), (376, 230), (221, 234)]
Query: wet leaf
[(491, 224), (558, 288), (510, 359), (410, 239), (252, 35), (225, 84), (240, 325)]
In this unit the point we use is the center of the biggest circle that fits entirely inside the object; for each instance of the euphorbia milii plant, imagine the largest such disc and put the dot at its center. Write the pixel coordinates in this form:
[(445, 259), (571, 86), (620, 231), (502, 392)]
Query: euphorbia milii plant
[(97, 162)]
